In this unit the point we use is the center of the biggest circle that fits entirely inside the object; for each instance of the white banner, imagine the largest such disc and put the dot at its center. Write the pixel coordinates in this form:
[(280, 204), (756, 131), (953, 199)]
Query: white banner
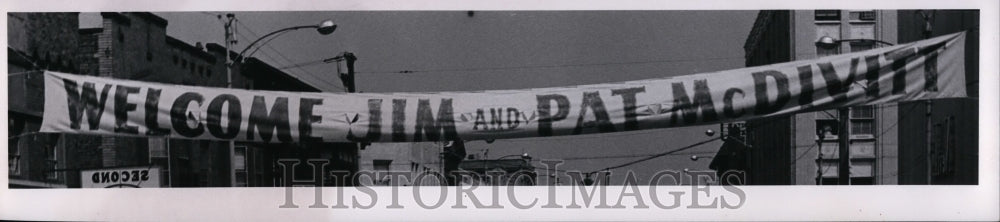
[(921, 70)]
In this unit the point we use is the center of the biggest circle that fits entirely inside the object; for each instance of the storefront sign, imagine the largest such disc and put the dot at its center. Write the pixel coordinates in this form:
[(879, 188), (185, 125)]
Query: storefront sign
[(921, 70), (133, 177)]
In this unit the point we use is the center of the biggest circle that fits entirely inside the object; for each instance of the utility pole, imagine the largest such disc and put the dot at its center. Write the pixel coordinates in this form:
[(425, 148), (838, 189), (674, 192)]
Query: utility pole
[(844, 137), (928, 32), (929, 135), (229, 84), (348, 78)]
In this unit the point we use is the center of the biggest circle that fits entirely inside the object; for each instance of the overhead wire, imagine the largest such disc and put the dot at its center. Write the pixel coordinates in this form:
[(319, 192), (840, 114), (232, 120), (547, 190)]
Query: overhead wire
[(656, 155), (289, 61), (265, 53), (315, 62)]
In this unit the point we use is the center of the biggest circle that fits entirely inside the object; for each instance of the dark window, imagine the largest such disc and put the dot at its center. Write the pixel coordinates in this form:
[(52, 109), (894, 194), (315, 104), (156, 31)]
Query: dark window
[(175, 59), (863, 181), (149, 56), (208, 72), (827, 15), (863, 15), (184, 63)]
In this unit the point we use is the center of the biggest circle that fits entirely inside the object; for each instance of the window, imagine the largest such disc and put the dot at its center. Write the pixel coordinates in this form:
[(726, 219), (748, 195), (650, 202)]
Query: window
[(159, 156), (827, 15), (862, 15), (52, 158), (862, 46), (381, 167), (175, 59), (863, 121), (184, 63), (13, 156), (240, 165), (828, 129)]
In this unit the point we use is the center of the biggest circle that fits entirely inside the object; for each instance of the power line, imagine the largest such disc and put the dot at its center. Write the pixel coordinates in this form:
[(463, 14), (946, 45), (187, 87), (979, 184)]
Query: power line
[(660, 154), (629, 156), (527, 66), (588, 136), (218, 15)]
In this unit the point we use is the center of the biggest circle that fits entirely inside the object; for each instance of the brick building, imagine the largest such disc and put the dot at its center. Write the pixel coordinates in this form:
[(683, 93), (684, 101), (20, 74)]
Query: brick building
[(135, 46), (402, 157), (36, 41)]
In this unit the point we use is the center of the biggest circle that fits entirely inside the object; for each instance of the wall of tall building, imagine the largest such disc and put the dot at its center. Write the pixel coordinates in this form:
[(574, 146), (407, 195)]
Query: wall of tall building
[(786, 148), (947, 150), (769, 43)]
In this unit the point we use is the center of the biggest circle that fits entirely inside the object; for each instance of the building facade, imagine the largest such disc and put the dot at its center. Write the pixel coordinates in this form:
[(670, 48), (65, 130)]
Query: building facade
[(787, 149), (803, 149), (36, 41), (135, 46), (503, 171), (942, 147), (412, 158)]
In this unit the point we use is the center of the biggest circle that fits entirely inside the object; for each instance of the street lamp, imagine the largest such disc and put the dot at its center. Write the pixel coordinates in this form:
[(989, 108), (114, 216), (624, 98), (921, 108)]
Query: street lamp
[(696, 157), (325, 27)]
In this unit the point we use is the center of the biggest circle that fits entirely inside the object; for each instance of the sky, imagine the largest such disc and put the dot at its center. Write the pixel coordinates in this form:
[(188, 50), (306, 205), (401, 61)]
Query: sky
[(488, 50)]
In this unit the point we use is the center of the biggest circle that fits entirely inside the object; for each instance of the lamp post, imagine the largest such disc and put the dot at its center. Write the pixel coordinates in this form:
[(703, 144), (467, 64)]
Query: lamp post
[(325, 27), (844, 133)]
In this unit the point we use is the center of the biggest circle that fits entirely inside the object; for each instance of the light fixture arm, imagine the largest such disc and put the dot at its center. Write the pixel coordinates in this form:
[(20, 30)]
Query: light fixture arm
[(240, 57), (866, 40), (829, 42)]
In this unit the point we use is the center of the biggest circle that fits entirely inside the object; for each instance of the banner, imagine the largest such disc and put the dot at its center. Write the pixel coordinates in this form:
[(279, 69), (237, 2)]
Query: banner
[(926, 69)]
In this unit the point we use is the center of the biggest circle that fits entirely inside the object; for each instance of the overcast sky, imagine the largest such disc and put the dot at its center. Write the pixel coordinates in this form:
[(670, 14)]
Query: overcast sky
[(456, 51)]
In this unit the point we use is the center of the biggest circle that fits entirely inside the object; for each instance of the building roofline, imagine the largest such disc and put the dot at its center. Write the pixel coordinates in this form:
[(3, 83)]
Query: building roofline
[(289, 76), (190, 49), (117, 16), (216, 48), (153, 18), (160, 21), (759, 27)]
